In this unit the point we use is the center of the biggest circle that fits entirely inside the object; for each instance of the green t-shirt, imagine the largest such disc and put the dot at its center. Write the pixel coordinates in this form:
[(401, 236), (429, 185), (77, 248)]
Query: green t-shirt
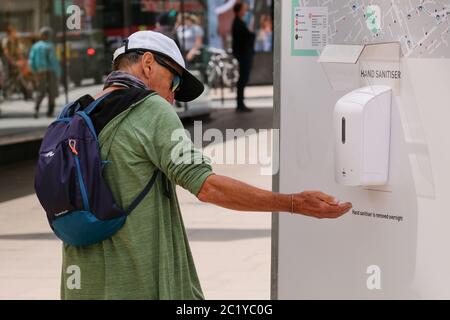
[(149, 258)]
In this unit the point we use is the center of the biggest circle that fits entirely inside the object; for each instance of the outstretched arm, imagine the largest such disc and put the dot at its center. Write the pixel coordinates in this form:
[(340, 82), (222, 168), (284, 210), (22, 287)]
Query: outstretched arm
[(236, 195)]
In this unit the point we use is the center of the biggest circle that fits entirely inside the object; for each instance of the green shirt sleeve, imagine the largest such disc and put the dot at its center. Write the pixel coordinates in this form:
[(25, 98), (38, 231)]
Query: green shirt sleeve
[(161, 134)]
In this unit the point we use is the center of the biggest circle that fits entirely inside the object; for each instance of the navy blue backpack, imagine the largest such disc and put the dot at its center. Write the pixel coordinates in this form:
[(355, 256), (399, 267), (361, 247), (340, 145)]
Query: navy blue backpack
[(69, 182)]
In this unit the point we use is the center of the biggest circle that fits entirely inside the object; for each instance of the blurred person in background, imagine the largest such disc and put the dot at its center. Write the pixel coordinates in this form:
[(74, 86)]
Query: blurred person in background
[(166, 26), (190, 37), (2, 70), (46, 69), (243, 50), (264, 37), (15, 64), (2, 74)]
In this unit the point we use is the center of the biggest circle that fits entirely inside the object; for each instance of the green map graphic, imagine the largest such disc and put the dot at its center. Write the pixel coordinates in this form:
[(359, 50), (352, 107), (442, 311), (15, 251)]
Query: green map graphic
[(421, 27)]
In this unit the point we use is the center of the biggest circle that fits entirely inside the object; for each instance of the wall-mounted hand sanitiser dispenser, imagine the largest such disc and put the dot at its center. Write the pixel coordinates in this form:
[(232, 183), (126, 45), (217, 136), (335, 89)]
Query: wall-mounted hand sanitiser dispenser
[(362, 136)]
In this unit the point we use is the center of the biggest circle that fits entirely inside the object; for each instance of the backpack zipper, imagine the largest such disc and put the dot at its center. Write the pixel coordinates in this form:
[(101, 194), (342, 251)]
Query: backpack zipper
[(84, 196)]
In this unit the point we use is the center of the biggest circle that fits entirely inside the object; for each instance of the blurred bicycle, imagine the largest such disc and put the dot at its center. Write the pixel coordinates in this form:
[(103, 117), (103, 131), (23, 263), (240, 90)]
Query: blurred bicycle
[(222, 69)]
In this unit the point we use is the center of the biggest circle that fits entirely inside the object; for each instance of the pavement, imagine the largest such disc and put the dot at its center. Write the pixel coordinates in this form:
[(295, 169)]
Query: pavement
[(231, 249), (18, 125), (16, 119)]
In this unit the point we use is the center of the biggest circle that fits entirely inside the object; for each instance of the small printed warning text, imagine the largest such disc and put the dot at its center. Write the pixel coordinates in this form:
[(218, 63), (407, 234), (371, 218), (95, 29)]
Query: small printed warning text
[(375, 215)]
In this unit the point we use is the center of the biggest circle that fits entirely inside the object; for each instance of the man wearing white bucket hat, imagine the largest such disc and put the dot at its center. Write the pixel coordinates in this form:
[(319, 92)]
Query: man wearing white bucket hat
[(139, 132)]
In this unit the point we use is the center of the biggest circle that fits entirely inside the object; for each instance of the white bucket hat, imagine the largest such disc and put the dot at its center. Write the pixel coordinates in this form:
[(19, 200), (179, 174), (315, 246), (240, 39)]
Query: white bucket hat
[(156, 42)]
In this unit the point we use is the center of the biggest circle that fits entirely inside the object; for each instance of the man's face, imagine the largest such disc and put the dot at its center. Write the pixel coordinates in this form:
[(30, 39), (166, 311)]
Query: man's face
[(159, 77)]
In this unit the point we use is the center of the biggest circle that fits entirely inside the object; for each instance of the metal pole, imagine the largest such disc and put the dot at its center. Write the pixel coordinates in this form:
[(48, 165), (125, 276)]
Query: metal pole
[(127, 17), (222, 95), (64, 55), (183, 40), (276, 146)]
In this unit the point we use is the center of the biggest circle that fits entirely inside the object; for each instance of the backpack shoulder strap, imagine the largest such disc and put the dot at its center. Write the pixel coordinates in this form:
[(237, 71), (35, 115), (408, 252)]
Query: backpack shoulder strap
[(73, 107), (123, 118), (85, 114), (154, 176), (90, 108), (65, 111), (143, 193)]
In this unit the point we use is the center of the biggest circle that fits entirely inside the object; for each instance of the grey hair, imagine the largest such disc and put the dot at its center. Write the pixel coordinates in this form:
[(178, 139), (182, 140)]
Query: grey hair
[(126, 60)]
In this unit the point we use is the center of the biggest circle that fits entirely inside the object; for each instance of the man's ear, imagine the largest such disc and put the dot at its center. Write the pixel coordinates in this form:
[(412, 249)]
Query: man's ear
[(148, 57), (147, 62)]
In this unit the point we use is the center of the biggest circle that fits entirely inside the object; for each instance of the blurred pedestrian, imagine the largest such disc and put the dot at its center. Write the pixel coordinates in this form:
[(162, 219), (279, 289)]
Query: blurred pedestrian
[(46, 68), (264, 37), (166, 26), (14, 63), (2, 70), (2, 75), (243, 50), (190, 36)]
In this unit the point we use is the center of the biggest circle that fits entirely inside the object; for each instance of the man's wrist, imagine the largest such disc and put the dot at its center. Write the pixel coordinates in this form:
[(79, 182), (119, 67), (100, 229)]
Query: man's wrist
[(292, 203), (284, 202)]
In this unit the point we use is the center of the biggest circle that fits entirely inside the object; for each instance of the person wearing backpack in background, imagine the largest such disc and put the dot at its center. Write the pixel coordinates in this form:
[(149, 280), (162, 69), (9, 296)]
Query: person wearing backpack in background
[(139, 135), (45, 67)]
